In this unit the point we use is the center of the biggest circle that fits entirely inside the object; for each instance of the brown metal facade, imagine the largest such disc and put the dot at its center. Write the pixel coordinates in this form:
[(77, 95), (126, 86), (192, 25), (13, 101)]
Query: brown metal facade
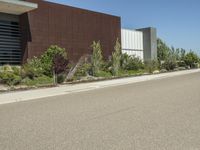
[(71, 28)]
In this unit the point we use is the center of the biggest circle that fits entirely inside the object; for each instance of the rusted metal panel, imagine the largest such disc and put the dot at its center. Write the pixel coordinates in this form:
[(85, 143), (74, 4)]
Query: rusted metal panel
[(68, 27)]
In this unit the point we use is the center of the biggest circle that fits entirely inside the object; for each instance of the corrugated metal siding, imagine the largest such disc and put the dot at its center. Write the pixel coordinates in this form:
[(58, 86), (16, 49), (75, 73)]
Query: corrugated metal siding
[(134, 53), (132, 42)]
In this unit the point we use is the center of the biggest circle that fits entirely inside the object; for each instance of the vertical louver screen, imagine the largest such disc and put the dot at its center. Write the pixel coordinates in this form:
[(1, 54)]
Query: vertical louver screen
[(10, 46)]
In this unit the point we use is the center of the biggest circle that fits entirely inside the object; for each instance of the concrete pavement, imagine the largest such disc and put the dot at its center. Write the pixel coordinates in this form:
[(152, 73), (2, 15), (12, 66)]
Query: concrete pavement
[(159, 114), (67, 89)]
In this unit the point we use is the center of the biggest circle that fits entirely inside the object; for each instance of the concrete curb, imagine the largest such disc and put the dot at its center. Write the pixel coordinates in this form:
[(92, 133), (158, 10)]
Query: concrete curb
[(12, 97)]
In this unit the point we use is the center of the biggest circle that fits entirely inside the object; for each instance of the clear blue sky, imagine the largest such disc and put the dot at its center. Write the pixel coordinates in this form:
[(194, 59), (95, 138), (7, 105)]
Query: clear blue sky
[(177, 21)]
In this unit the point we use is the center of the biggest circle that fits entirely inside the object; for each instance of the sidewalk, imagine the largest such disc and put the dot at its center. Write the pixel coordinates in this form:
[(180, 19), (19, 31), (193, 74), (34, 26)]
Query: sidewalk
[(67, 89)]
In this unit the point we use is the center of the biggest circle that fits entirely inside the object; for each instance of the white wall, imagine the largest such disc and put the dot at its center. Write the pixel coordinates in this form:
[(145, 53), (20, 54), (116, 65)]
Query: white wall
[(134, 53), (132, 42)]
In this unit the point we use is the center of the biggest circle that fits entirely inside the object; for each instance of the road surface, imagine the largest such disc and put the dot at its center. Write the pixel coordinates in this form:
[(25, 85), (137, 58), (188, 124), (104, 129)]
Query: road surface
[(160, 114)]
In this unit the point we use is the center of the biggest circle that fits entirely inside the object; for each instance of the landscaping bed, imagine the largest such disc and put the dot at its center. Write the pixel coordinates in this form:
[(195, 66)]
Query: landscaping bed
[(53, 67), (4, 88)]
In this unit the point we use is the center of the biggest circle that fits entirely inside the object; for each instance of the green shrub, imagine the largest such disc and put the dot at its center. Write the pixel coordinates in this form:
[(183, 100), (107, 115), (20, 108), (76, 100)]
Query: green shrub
[(131, 63), (33, 68), (10, 78), (196, 65), (6, 68), (17, 70), (181, 64), (10, 75), (116, 58), (151, 66), (125, 59), (97, 58), (191, 59), (27, 81), (107, 66), (84, 70), (169, 64)]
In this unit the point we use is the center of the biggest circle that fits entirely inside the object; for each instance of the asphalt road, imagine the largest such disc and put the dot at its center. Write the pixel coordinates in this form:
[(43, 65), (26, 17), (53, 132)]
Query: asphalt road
[(161, 114)]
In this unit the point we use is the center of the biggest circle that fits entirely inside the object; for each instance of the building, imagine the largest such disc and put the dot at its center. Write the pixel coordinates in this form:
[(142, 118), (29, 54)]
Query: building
[(149, 43), (141, 43), (132, 43), (29, 27)]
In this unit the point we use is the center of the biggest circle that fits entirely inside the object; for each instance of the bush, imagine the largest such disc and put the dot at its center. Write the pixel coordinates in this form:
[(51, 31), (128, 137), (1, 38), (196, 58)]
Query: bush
[(84, 70), (169, 64), (191, 59), (131, 62), (6, 68), (107, 65), (9, 78), (10, 75), (181, 64), (196, 65), (125, 59), (151, 66), (17, 70), (33, 68)]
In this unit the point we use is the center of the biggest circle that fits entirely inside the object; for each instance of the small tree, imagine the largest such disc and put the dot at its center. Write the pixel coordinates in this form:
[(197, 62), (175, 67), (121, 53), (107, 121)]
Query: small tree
[(48, 56), (97, 58), (116, 58), (163, 50)]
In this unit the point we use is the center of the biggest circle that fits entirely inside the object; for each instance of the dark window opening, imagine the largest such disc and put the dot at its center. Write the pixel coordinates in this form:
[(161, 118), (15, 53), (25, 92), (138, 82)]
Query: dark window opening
[(10, 43)]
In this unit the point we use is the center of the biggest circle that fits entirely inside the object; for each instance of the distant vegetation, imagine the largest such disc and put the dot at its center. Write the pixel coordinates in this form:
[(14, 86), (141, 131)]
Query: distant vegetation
[(171, 58)]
